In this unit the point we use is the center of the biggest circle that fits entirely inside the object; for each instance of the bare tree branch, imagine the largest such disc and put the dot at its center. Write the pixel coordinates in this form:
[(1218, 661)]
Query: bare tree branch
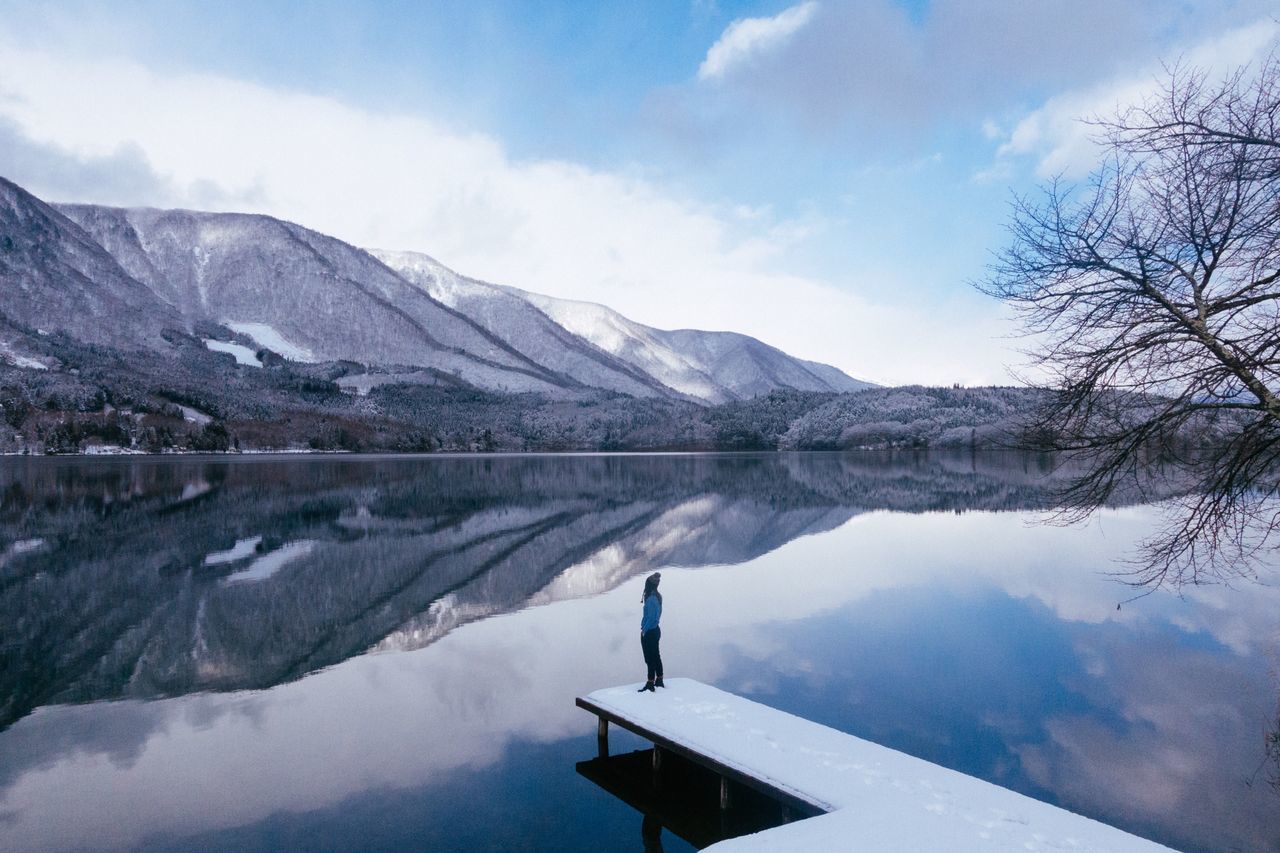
[(1153, 294)]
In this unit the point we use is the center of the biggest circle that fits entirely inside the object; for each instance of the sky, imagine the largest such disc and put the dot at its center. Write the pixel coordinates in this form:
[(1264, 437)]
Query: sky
[(830, 177)]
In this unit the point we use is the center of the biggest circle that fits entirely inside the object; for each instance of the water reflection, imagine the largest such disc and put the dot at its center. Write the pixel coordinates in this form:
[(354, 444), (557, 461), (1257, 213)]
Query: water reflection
[(681, 799), (159, 578), (977, 640)]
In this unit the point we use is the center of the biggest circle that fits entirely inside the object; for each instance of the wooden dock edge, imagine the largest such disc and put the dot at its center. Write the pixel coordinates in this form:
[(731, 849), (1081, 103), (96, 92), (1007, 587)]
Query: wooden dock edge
[(801, 806)]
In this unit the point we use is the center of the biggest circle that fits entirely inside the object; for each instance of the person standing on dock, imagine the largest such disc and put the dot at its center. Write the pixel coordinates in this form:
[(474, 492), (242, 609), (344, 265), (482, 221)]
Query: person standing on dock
[(650, 633)]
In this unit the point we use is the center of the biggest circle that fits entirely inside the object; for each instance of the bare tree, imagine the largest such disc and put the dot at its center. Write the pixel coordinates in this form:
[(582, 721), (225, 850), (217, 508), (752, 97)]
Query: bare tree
[(1152, 293), (1190, 111)]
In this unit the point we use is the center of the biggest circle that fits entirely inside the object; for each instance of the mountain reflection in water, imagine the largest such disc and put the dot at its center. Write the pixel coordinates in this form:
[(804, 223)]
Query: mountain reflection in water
[(906, 598), (164, 577)]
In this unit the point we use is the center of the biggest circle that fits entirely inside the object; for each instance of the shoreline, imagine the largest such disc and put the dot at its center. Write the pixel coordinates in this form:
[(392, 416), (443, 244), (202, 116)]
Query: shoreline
[(461, 454)]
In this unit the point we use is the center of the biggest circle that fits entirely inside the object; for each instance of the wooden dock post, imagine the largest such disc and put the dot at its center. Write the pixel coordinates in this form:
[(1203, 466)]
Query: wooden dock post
[(724, 793), (602, 738)]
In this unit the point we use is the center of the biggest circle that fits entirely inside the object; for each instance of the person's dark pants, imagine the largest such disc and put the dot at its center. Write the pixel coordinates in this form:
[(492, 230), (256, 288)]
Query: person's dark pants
[(649, 644)]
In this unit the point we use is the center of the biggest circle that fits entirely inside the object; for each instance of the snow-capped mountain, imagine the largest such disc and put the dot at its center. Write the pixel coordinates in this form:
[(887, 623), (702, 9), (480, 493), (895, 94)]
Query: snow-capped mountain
[(711, 366), (304, 295), (511, 316), (133, 278)]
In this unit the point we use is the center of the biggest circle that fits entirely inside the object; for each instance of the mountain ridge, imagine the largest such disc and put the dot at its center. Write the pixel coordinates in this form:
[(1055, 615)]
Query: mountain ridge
[(707, 365), (326, 296), (56, 277), (258, 282), (522, 318)]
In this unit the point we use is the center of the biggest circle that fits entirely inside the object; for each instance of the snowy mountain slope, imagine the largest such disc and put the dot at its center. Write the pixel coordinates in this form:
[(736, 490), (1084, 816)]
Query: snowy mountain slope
[(55, 277), (632, 342), (836, 377), (710, 366), (510, 316), (747, 367), (714, 366), (123, 277), (313, 293)]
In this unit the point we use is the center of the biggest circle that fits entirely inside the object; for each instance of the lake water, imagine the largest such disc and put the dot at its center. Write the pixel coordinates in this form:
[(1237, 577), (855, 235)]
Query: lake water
[(348, 653)]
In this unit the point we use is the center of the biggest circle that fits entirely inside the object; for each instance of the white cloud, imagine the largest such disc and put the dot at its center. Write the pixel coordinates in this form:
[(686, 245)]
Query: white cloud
[(1057, 135), (749, 37), (877, 78), (408, 182)]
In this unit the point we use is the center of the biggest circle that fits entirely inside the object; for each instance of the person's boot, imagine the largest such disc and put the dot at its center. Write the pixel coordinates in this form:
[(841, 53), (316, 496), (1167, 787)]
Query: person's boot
[(648, 685), (659, 683)]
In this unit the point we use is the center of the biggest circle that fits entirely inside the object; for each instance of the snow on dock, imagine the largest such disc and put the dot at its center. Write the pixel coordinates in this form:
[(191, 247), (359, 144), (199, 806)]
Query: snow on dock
[(868, 797)]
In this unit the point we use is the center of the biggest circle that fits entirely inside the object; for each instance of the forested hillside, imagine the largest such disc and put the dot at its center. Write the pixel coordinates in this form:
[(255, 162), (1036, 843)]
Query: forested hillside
[(104, 399)]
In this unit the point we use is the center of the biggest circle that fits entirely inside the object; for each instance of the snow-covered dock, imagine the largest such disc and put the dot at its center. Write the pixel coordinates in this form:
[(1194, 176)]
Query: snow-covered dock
[(867, 797)]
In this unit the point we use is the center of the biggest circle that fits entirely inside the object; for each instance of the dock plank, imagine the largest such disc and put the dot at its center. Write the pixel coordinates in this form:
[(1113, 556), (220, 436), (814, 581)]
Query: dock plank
[(874, 798)]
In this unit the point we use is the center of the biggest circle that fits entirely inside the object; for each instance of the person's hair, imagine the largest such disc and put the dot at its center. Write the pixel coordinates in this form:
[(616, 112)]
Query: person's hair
[(651, 587)]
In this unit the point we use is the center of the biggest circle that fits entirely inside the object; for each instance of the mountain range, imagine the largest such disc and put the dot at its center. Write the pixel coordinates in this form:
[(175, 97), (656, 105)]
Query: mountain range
[(256, 289)]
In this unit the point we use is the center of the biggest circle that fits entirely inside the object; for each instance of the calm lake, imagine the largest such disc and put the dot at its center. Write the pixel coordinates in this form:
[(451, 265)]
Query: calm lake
[(380, 653)]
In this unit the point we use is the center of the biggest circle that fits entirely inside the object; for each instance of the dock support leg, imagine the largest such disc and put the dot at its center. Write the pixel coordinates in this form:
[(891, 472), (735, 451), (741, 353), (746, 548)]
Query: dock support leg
[(602, 738), (724, 807), (657, 758)]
